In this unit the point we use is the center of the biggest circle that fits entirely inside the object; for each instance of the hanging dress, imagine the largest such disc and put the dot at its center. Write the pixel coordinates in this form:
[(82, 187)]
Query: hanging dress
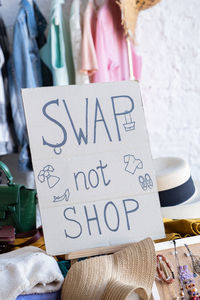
[(111, 47), (57, 52), (76, 39)]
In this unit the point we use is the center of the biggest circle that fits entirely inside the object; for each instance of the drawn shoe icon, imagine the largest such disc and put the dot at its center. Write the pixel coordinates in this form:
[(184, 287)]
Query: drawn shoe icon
[(143, 183), (65, 196), (148, 180)]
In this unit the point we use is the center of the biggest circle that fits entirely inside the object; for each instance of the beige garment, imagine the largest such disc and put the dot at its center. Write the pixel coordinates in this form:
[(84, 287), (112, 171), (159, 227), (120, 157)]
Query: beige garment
[(88, 55), (113, 277), (76, 38)]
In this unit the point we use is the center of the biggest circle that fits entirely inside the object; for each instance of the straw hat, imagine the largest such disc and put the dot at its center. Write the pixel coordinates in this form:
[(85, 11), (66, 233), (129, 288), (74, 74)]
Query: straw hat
[(179, 194), (113, 277), (130, 10)]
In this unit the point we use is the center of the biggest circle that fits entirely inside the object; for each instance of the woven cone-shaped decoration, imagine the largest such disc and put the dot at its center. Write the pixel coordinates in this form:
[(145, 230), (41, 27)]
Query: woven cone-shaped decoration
[(130, 10)]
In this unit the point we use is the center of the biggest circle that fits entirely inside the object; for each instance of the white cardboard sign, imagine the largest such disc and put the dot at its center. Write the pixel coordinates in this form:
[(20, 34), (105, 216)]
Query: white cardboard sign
[(92, 164)]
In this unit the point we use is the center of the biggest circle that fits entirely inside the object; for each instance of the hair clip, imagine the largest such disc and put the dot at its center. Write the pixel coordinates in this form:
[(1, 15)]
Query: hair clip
[(164, 270)]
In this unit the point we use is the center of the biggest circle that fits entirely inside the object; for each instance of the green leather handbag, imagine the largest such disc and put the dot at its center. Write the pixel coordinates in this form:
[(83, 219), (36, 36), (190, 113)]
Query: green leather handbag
[(17, 204)]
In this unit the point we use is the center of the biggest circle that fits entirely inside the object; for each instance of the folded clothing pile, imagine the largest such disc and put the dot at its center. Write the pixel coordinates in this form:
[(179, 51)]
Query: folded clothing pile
[(177, 229), (29, 270)]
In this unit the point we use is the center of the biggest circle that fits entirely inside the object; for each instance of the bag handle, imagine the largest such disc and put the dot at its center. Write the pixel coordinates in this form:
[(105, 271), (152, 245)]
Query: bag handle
[(6, 171), (33, 234)]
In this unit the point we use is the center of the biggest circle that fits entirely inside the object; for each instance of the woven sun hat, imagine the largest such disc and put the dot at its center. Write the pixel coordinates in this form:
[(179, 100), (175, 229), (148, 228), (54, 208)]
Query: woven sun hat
[(115, 276), (179, 194), (130, 10)]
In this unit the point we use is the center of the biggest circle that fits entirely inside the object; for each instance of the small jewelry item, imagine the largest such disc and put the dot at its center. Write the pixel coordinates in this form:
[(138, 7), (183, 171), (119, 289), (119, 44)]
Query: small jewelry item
[(195, 261), (182, 294), (164, 270), (186, 279)]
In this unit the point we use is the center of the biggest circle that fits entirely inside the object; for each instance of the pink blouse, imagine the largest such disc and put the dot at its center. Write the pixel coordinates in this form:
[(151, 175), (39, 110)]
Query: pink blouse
[(111, 47), (89, 59)]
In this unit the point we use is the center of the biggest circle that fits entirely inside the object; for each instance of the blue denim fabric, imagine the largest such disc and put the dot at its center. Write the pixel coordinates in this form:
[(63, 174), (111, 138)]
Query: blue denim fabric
[(24, 70), (46, 296)]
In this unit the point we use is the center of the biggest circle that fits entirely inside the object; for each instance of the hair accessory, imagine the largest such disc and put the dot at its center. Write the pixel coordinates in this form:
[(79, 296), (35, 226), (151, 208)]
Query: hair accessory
[(186, 280), (195, 261), (164, 270)]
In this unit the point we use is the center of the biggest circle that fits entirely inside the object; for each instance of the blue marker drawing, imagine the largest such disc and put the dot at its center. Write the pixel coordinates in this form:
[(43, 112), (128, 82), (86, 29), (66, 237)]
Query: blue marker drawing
[(130, 124), (143, 183), (57, 150), (65, 196), (148, 180), (132, 163), (45, 174), (56, 147)]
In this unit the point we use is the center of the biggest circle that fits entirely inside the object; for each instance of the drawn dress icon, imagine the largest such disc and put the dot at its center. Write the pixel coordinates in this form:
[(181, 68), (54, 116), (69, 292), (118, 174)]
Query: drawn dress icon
[(45, 174)]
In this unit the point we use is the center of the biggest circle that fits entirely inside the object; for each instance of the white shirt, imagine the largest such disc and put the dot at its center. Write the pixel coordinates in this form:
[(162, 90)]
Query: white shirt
[(76, 39)]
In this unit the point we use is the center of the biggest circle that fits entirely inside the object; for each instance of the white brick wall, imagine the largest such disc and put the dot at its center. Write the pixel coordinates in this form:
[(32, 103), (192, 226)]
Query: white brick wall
[(168, 38)]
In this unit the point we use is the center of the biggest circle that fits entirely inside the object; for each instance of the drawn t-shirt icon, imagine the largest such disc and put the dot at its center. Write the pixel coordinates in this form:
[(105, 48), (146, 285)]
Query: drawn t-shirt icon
[(132, 163)]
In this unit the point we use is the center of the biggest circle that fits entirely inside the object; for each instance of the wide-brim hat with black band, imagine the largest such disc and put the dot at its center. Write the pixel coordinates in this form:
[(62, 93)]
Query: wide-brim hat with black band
[(179, 194)]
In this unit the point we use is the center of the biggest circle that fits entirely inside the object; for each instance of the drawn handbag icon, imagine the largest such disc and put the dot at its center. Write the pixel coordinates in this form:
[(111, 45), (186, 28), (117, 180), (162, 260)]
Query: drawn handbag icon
[(130, 124), (45, 174)]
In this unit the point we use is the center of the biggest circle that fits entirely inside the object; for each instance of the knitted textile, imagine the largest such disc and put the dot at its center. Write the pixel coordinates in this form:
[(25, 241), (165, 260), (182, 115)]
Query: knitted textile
[(113, 277), (178, 229)]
